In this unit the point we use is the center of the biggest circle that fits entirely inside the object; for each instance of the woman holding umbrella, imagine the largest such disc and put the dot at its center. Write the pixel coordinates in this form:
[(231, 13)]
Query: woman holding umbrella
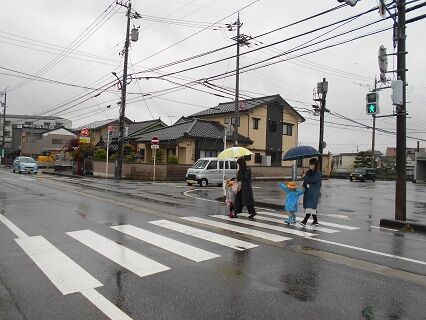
[(244, 197), (312, 185)]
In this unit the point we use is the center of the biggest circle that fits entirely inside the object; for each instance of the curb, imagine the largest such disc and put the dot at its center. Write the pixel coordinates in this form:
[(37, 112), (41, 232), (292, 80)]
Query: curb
[(62, 175), (403, 224)]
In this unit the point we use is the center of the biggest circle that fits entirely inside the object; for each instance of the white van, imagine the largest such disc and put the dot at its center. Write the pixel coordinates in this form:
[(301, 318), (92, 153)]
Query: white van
[(210, 171)]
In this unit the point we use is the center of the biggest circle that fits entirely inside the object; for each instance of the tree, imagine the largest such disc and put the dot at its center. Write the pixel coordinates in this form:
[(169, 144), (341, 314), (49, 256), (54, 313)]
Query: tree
[(173, 160), (159, 156), (99, 155), (363, 160)]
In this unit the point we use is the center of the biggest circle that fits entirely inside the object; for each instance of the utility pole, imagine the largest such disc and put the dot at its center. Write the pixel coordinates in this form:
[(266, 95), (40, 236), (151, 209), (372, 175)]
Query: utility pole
[(401, 126), (237, 86), (322, 89), (3, 151), (119, 167), (373, 142)]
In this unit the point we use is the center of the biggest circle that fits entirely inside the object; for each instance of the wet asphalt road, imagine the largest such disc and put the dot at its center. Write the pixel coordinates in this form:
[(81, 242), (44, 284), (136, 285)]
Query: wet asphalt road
[(293, 279)]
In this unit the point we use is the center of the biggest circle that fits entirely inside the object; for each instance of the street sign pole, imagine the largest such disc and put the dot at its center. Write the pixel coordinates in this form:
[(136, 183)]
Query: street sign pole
[(107, 156), (155, 155), (223, 171)]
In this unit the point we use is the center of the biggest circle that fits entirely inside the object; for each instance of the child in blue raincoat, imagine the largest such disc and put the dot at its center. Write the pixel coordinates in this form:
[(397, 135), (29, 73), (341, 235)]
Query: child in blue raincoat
[(293, 194)]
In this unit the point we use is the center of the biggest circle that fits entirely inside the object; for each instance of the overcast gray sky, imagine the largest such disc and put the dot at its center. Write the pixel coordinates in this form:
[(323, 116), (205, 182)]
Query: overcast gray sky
[(34, 33)]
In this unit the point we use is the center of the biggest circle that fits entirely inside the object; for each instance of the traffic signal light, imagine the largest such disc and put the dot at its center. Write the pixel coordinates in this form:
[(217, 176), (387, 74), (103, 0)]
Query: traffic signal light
[(372, 106)]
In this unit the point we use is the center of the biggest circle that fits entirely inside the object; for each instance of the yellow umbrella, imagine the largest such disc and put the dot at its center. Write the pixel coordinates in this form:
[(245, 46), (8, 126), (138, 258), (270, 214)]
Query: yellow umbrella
[(234, 152)]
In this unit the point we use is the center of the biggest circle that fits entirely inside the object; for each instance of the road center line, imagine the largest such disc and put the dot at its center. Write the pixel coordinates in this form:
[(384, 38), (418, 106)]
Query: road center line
[(368, 250), (12, 227)]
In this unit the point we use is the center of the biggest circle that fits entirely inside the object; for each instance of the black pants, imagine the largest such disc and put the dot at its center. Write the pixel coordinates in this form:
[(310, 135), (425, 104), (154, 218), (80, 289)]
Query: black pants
[(251, 209), (314, 216)]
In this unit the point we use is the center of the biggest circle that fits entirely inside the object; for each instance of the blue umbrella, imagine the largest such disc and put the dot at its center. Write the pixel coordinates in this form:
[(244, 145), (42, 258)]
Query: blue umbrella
[(300, 153)]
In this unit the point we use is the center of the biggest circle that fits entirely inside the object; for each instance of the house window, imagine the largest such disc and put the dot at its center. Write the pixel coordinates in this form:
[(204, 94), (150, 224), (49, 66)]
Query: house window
[(171, 152), (7, 133), (142, 154), (340, 160), (28, 123), (59, 124), (56, 141), (287, 129), (208, 153), (7, 123), (256, 123), (233, 120), (227, 120), (47, 125), (257, 158), (272, 126)]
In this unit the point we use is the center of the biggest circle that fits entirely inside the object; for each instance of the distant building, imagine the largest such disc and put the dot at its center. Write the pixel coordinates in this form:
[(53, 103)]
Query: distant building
[(344, 162), (391, 152), (29, 122), (188, 140), (36, 142), (270, 122)]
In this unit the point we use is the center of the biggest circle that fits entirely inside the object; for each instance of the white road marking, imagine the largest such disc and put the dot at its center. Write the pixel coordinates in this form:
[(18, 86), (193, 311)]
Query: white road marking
[(368, 250), (12, 227), (340, 216), (381, 228), (177, 247), (328, 224), (205, 235), (104, 305), (186, 193), (127, 258), (265, 226), (226, 226), (63, 272), (281, 221)]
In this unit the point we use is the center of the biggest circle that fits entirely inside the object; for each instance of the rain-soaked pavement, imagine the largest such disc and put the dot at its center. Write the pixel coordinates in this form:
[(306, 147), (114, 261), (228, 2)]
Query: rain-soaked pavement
[(349, 269)]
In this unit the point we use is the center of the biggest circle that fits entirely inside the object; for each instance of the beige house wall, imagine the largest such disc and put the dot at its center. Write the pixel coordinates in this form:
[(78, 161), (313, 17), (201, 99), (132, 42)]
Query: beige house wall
[(290, 141)]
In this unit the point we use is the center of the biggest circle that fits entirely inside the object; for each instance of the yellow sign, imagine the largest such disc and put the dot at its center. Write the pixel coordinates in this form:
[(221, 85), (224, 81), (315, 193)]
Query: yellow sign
[(84, 139)]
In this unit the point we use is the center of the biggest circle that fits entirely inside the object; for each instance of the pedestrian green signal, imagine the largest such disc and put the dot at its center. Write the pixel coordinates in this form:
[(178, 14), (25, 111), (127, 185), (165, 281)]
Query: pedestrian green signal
[(372, 108), (372, 105)]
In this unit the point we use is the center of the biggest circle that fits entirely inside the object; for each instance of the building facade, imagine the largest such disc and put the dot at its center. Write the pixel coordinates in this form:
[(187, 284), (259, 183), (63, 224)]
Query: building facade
[(269, 122), (28, 122)]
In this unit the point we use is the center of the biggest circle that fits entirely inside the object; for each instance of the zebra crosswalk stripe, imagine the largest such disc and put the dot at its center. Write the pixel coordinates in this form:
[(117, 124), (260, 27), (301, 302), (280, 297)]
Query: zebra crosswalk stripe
[(238, 229), (177, 247), (323, 223), (125, 257), (281, 221), (205, 235), (265, 226), (63, 272)]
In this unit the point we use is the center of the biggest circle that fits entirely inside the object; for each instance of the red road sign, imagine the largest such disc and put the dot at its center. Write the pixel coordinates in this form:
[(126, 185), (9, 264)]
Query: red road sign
[(84, 132), (155, 140), (110, 128)]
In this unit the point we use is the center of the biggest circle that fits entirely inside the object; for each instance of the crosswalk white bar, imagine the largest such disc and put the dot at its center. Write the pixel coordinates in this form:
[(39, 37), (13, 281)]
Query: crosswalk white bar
[(106, 306), (12, 227), (125, 257), (63, 272), (242, 230), (265, 226), (281, 221), (176, 247), (328, 224), (205, 235)]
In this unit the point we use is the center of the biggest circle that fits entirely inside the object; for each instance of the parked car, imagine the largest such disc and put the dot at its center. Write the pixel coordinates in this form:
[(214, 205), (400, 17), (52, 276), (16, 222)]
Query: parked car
[(210, 171), (363, 174), (25, 164)]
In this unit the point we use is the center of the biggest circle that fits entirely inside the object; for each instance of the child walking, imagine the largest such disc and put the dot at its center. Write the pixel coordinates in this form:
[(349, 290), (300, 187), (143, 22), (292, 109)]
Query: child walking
[(231, 191), (293, 194)]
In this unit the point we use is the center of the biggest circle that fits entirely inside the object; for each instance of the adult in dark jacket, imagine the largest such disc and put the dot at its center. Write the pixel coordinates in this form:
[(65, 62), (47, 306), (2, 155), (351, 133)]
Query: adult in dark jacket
[(312, 185), (244, 197)]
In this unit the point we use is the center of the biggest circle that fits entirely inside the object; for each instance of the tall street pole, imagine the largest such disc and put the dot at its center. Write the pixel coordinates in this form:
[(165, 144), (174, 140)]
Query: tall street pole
[(3, 149), (373, 139), (119, 168), (237, 86), (323, 109), (401, 146)]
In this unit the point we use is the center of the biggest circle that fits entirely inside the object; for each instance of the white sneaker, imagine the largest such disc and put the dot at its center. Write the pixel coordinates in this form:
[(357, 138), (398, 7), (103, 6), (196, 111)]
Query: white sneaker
[(303, 224)]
